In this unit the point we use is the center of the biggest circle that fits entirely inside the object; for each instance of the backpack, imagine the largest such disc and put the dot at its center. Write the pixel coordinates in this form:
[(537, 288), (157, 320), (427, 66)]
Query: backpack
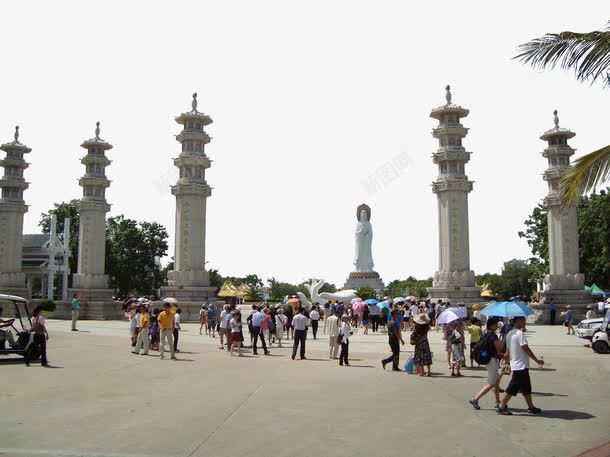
[(482, 352)]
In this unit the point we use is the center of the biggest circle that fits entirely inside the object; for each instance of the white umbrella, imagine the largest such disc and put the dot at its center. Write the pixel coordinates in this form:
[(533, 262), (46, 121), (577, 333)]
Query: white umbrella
[(399, 299), (448, 316), (170, 300), (460, 311)]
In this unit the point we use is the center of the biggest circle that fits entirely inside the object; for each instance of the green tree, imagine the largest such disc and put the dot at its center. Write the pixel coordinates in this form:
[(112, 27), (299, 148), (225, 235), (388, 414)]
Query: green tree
[(515, 279), (131, 249), (588, 55), (62, 211), (279, 289), (365, 293), (411, 285)]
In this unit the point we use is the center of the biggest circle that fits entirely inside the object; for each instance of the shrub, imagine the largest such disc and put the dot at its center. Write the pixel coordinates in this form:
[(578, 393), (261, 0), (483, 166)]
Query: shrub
[(47, 305)]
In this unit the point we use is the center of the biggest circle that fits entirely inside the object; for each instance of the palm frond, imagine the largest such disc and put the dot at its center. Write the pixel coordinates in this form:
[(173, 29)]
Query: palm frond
[(585, 175), (588, 54)]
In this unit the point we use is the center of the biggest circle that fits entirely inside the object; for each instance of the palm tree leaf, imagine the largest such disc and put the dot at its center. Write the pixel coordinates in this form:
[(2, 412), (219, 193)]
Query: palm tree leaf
[(585, 175), (588, 54)]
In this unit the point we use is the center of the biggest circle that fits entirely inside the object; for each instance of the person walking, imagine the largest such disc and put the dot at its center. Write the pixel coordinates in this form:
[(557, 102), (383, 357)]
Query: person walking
[(519, 354), (334, 328), (394, 337), (314, 316), (235, 336), (155, 333), (222, 328), (176, 331), (166, 326), (495, 348), (41, 336), (257, 320), (266, 327), (475, 330), (456, 340), (280, 324), (422, 355), (375, 314), (327, 314), (299, 323), (211, 330), (75, 311), (203, 318), (568, 317), (552, 311), (345, 333), (590, 312), (143, 341)]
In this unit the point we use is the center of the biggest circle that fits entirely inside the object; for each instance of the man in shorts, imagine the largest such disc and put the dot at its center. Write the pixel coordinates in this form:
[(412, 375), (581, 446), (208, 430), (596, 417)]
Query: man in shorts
[(496, 350), (519, 353), (224, 327), (211, 330)]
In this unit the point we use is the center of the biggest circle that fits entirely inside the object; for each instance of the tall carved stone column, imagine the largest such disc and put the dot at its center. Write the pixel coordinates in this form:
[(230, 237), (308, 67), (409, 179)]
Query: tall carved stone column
[(90, 280), (189, 281), (454, 279), (12, 209), (565, 283)]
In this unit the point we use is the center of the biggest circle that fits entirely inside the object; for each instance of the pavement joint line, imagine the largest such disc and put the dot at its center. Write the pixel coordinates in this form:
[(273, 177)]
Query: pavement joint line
[(213, 432), (64, 453)]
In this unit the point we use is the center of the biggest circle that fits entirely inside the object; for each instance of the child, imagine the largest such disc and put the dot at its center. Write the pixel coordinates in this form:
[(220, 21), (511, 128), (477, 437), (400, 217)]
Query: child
[(366, 323), (457, 353), (154, 331), (235, 337), (475, 331)]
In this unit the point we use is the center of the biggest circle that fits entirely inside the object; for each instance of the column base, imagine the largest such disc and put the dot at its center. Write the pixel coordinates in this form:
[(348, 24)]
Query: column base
[(90, 281), (466, 294), (13, 283), (189, 294), (92, 294), (562, 297), (94, 310), (19, 291)]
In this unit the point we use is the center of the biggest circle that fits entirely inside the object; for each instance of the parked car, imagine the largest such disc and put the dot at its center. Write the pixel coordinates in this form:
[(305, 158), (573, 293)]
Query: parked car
[(587, 327), (601, 340)]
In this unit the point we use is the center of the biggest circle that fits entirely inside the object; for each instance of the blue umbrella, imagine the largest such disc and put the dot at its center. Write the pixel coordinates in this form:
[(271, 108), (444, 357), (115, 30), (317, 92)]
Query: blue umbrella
[(382, 304), (371, 301), (507, 309)]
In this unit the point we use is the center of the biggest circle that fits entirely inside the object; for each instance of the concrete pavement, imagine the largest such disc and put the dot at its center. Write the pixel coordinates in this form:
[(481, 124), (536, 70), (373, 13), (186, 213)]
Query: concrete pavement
[(101, 400)]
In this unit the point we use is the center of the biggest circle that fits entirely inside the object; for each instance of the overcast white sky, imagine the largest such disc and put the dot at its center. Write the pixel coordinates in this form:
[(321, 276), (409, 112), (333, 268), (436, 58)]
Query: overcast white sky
[(309, 100)]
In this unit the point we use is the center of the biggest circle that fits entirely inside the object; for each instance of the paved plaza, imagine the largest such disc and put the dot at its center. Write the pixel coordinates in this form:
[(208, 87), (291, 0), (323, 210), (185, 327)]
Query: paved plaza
[(101, 400)]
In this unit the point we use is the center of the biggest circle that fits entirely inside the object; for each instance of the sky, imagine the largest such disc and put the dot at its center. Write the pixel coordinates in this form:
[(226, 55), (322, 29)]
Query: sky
[(310, 101)]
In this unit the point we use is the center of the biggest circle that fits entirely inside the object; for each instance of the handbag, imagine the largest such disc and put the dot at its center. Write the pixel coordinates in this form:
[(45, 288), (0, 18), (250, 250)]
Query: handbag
[(412, 339), (339, 338)]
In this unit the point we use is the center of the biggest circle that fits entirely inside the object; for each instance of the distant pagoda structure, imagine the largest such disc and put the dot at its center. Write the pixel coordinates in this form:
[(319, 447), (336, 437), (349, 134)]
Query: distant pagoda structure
[(12, 209), (90, 281), (189, 281), (454, 279), (564, 284)]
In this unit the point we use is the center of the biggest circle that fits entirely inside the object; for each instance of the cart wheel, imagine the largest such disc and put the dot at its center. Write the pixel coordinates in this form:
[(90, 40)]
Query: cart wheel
[(601, 347), (34, 352)]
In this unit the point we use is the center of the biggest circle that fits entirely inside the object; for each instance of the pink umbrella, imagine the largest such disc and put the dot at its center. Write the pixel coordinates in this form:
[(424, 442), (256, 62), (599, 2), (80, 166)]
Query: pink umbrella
[(411, 298), (294, 300), (358, 306)]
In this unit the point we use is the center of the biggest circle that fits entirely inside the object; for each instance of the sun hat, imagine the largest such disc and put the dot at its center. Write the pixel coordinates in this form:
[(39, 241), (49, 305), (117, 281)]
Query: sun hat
[(476, 307), (421, 318), (568, 306)]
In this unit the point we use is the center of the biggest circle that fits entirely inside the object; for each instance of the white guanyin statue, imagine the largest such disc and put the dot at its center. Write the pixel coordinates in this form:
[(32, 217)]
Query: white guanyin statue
[(364, 239)]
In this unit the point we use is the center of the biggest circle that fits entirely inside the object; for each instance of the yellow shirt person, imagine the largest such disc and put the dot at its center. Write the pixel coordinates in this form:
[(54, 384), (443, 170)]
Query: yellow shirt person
[(166, 320)]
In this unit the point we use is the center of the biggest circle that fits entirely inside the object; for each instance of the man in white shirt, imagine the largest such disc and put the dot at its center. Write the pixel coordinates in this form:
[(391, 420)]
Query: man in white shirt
[(314, 316), (375, 313), (334, 326), (257, 320), (300, 323), (223, 326), (518, 353)]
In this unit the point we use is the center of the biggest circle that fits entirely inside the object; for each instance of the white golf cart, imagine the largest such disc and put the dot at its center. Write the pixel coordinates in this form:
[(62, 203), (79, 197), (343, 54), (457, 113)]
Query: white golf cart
[(21, 326)]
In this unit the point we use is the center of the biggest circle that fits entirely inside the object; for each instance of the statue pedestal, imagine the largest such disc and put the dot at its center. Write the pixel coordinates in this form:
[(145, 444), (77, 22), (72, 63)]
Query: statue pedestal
[(14, 284), (358, 279)]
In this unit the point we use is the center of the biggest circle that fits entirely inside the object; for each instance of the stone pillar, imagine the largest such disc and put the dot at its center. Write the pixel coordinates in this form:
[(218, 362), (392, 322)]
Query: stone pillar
[(454, 279), (189, 281), (12, 209), (90, 281), (565, 284)]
